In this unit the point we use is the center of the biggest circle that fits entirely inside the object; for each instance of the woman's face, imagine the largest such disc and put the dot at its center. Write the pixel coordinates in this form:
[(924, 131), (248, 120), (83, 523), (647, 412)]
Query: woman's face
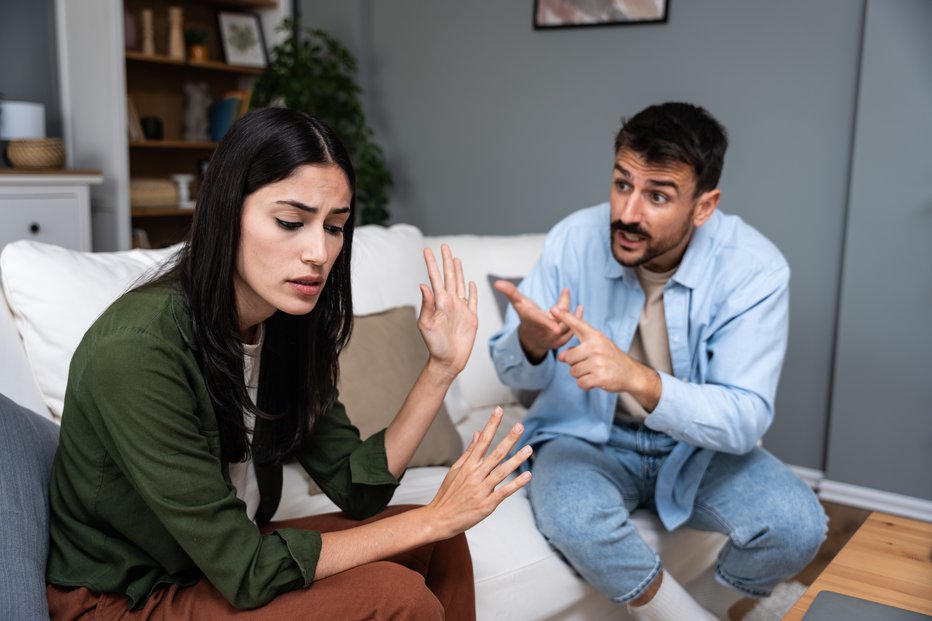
[(291, 234)]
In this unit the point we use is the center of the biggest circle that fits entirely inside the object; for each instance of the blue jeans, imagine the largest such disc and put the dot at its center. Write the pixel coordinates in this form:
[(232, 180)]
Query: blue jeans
[(582, 495)]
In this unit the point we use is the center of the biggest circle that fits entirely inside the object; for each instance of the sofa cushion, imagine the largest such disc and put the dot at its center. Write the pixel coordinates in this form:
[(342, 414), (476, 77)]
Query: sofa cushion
[(27, 446), (55, 295), (387, 266), (384, 357)]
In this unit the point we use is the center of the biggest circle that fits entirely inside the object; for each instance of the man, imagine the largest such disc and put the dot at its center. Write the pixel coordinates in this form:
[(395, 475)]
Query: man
[(657, 388)]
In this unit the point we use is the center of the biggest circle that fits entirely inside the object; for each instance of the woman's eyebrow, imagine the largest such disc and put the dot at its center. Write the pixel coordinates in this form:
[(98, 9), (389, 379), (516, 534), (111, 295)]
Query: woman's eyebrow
[(304, 207)]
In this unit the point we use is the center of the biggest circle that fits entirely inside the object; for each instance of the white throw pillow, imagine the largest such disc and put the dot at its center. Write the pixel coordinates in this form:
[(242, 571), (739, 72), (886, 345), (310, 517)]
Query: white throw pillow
[(387, 266), (56, 294)]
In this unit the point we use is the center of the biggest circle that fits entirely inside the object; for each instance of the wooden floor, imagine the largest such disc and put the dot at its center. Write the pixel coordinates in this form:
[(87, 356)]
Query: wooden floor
[(843, 522)]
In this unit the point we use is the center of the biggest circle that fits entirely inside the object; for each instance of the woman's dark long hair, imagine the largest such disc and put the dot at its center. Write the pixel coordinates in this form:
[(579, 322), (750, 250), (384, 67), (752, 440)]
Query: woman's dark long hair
[(299, 365)]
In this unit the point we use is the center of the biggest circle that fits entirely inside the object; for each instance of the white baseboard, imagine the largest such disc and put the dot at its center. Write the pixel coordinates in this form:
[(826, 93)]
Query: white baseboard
[(810, 476), (875, 500), (864, 497)]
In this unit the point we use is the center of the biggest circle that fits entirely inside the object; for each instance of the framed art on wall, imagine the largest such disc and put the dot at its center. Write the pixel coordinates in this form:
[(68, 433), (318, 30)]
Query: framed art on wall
[(575, 13), (241, 38)]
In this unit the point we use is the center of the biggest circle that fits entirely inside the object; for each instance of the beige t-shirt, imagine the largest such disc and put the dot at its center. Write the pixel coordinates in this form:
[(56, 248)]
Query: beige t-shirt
[(243, 474), (650, 344)]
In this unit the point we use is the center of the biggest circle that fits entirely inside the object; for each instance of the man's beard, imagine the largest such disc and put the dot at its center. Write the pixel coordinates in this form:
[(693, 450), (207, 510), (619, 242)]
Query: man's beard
[(651, 251)]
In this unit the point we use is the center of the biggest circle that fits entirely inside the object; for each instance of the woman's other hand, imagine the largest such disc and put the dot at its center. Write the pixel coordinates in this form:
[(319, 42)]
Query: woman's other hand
[(448, 319), (471, 491)]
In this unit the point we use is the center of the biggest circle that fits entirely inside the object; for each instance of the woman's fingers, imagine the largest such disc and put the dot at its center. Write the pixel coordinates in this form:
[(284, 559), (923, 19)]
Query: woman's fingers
[(512, 486), (487, 434), (503, 469), (467, 451), (473, 297), (433, 272), (460, 279), (449, 269), (427, 299), (451, 279)]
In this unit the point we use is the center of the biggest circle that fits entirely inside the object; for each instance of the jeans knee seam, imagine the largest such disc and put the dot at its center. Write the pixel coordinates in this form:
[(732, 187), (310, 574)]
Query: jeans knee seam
[(646, 582)]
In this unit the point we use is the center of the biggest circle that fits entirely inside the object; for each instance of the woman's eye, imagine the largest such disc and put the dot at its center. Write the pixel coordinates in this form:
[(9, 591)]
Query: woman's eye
[(333, 228), (287, 224)]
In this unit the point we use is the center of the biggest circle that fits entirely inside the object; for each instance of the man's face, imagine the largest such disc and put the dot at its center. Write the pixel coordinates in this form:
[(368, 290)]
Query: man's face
[(654, 211)]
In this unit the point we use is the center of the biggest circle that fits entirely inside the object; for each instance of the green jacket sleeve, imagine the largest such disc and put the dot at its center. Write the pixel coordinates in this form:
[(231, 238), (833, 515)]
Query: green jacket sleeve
[(353, 473)]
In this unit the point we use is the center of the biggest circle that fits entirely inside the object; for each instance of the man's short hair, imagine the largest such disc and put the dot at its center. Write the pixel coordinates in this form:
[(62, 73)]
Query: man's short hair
[(677, 132)]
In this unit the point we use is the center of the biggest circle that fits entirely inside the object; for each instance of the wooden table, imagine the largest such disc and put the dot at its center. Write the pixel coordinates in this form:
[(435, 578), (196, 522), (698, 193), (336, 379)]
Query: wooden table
[(888, 560)]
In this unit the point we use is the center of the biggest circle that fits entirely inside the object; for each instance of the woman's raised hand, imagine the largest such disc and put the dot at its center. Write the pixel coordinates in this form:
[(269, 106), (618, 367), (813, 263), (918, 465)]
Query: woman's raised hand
[(470, 492), (448, 319)]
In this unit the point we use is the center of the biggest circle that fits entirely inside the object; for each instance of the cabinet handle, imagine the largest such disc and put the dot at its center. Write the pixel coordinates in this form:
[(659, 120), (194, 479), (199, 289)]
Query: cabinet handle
[(34, 228)]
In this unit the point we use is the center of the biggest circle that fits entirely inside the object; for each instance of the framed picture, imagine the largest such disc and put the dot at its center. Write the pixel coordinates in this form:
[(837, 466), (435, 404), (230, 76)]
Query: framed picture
[(576, 13), (241, 39)]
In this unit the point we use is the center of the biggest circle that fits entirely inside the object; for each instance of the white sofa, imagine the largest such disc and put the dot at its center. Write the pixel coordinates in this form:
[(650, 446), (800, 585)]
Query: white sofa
[(52, 295)]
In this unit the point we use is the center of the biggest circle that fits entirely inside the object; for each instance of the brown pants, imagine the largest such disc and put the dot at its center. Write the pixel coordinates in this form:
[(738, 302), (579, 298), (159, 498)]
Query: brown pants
[(431, 582)]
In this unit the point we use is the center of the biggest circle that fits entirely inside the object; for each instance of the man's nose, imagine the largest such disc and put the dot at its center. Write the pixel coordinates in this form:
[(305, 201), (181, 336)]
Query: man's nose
[(631, 208)]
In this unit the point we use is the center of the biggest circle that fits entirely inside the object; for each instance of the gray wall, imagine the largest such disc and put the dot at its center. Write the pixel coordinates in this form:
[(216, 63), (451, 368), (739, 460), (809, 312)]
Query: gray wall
[(882, 406), (28, 56), (493, 127)]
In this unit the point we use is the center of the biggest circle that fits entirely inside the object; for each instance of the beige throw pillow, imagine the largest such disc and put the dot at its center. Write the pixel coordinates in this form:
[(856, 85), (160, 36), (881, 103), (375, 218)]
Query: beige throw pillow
[(377, 369)]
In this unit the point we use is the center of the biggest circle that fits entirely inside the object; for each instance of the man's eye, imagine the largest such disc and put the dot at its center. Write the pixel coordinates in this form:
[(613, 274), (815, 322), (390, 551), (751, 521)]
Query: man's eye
[(287, 224), (621, 186), (658, 198)]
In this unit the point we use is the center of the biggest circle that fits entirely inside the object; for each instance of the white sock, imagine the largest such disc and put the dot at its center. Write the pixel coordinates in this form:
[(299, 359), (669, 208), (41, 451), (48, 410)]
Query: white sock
[(712, 594), (671, 602)]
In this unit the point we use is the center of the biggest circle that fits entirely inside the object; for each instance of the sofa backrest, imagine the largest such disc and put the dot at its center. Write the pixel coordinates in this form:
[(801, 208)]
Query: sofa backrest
[(54, 295)]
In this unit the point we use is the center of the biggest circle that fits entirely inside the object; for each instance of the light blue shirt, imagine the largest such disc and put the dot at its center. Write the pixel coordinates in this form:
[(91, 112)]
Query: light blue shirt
[(726, 310)]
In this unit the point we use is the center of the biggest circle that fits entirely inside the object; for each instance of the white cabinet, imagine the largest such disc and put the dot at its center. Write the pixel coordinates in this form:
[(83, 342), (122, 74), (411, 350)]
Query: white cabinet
[(48, 207)]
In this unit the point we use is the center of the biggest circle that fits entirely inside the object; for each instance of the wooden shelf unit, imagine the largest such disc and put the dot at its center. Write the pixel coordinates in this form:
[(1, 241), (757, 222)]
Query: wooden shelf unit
[(207, 65), (156, 85)]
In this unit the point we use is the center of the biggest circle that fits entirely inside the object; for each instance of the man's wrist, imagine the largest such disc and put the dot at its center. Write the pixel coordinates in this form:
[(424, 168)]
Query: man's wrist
[(533, 357), (651, 390)]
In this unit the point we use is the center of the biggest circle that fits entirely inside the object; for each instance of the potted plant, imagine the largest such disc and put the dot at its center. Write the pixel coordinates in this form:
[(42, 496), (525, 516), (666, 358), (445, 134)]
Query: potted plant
[(311, 71), (196, 40)]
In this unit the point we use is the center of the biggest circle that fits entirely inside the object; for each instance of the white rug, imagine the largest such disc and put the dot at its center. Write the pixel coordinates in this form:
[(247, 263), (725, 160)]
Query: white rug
[(778, 604)]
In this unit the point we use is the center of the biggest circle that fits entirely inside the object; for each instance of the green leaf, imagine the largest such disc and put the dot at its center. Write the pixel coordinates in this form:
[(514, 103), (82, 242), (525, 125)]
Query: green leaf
[(315, 73)]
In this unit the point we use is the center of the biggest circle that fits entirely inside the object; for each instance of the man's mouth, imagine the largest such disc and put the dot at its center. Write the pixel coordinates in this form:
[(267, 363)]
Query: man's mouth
[(629, 232)]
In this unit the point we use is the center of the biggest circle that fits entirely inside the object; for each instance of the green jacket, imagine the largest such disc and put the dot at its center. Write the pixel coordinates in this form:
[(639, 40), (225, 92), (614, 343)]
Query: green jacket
[(139, 494)]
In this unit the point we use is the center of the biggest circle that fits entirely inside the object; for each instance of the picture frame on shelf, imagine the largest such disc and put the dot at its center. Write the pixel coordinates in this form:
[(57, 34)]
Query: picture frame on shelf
[(241, 39), (582, 13)]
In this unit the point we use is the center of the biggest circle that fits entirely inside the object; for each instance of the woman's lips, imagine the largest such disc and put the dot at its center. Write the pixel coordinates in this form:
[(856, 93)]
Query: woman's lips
[(306, 287)]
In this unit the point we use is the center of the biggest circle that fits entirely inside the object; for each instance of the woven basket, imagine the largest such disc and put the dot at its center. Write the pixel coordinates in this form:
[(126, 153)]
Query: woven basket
[(36, 153)]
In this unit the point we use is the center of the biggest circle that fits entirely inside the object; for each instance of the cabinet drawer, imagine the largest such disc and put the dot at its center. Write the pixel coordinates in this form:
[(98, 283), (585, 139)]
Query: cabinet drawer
[(51, 217)]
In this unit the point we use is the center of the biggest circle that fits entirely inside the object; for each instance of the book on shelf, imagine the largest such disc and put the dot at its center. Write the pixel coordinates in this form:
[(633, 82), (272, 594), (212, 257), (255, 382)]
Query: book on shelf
[(227, 110), (133, 124)]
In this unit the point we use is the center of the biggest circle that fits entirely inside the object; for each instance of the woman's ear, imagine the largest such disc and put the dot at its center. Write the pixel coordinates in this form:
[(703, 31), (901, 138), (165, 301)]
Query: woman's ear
[(705, 206)]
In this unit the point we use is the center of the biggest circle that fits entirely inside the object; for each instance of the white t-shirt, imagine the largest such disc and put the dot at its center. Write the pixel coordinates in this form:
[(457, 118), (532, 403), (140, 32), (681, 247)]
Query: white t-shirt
[(243, 474)]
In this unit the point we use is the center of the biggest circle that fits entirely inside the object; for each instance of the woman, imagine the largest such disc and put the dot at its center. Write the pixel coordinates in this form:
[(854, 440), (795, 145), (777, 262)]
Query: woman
[(188, 394)]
